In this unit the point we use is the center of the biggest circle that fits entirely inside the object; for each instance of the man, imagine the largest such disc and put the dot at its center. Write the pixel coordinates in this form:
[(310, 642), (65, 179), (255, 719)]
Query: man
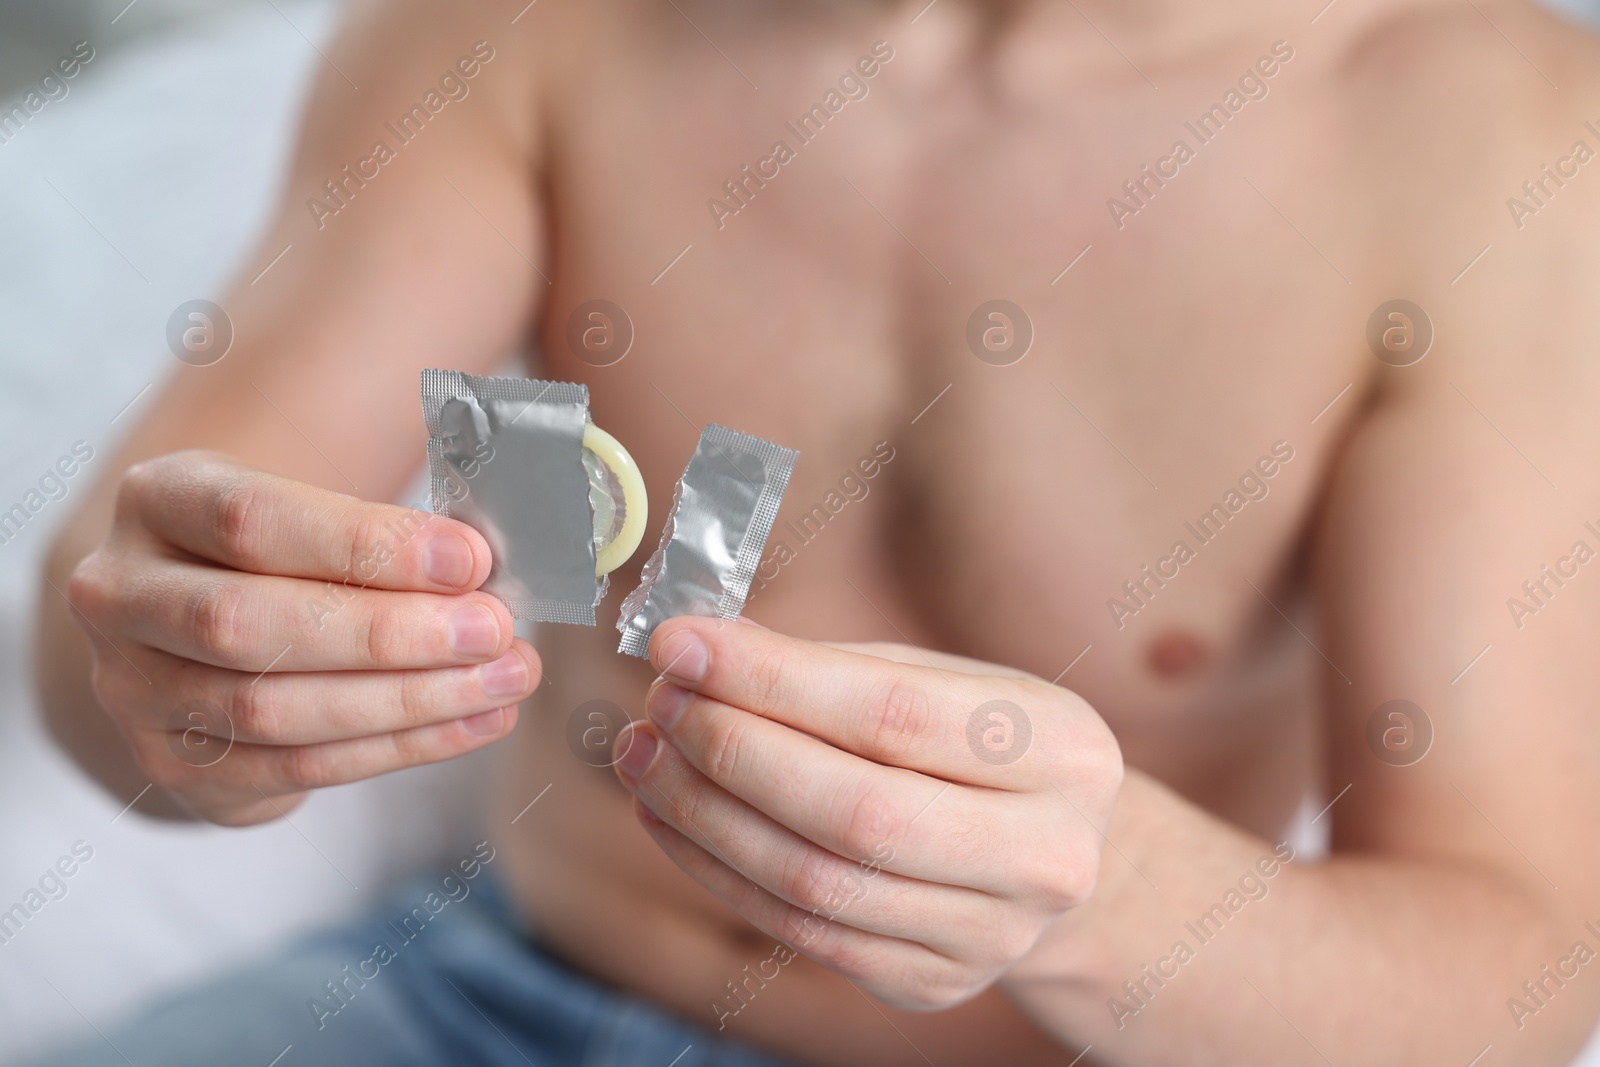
[(1206, 528)]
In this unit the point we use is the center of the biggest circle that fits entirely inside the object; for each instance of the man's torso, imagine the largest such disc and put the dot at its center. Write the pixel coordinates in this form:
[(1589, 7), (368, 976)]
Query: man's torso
[(1126, 508)]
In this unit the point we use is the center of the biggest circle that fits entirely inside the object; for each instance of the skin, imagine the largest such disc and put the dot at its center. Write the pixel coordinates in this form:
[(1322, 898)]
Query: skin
[(820, 764)]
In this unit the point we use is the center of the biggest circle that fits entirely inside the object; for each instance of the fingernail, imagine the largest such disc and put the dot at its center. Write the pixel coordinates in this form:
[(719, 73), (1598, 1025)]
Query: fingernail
[(474, 631), (447, 560), (505, 677), (685, 657), (666, 703), (485, 723), (641, 749)]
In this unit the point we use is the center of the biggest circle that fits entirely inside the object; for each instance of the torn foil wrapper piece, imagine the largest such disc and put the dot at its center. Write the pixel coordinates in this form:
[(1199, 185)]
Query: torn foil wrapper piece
[(722, 512), (505, 456)]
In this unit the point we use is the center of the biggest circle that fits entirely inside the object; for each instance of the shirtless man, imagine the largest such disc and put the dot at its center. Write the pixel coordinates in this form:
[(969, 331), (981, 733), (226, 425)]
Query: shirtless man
[(1196, 370)]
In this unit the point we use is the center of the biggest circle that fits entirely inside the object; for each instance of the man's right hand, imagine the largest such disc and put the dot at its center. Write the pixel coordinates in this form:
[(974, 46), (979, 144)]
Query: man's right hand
[(330, 638)]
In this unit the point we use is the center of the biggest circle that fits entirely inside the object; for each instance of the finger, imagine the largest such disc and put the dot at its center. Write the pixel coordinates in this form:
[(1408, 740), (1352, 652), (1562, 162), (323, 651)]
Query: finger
[(252, 622), (896, 714), (219, 775), (927, 657), (304, 708), (249, 520), (921, 978), (930, 829), (860, 893)]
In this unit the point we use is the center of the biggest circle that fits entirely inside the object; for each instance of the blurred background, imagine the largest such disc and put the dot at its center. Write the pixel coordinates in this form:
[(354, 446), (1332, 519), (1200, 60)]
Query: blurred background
[(34, 33), (137, 192)]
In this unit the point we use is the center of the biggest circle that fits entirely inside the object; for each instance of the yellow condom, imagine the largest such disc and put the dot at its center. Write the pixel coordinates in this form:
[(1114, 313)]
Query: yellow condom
[(616, 489)]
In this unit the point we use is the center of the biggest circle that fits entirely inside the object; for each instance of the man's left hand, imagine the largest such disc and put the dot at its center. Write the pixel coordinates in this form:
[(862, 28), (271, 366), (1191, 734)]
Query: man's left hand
[(911, 820)]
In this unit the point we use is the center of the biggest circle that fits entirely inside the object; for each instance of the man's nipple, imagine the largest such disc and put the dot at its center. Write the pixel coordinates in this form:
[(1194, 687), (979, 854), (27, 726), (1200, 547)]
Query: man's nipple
[(1176, 654)]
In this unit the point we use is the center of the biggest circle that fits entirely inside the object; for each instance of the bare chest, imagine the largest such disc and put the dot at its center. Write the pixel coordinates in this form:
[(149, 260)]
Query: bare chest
[(1032, 430)]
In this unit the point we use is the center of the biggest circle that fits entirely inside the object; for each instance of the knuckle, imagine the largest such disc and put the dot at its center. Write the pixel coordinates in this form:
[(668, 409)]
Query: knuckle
[(1089, 740), (1086, 878), (898, 712), (415, 696), (237, 524), (1106, 759), (765, 679), (873, 819), (811, 933), (687, 803), (1065, 878), (810, 880), (137, 483), (1010, 942), (254, 710), (803, 931), (217, 626), (304, 767), (383, 633), (725, 743), (368, 547), (88, 588), (844, 955), (413, 747)]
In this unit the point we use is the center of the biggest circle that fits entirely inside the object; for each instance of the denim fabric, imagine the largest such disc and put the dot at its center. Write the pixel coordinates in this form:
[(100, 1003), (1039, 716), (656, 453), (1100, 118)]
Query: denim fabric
[(463, 986)]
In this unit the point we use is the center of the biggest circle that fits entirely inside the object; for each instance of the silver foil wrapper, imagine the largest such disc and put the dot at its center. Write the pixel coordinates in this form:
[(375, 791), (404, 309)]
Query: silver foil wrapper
[(505, 456), (722, 512)]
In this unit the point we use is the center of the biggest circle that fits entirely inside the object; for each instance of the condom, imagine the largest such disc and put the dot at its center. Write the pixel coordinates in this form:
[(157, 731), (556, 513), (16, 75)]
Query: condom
[(559, 500), (722, 511)]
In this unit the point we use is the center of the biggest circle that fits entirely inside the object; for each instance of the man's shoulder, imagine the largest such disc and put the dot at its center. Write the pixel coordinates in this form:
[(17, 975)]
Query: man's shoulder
[(1471, 132), (1469, 82), (1515, 48)]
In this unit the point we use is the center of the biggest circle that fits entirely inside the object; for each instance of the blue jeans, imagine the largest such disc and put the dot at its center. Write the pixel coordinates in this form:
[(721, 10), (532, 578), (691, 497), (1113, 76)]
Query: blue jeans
[(464, 985)]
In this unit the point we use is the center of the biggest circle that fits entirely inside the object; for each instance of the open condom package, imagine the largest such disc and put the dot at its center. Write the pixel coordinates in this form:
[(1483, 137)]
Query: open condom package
[(562, 504)]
